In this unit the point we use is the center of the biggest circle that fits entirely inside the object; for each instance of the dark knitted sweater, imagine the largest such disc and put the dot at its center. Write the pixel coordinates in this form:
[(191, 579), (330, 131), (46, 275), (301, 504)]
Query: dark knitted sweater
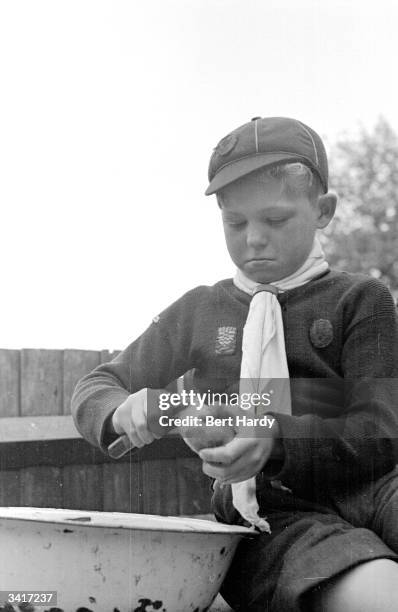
[(340, 329)]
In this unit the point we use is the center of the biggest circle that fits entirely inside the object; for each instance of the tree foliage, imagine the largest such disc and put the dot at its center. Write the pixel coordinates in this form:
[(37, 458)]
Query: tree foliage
[(363, 237)]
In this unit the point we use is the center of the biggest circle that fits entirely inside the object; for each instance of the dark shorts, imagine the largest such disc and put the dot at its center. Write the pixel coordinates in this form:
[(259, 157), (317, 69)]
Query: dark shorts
[(310, 543)]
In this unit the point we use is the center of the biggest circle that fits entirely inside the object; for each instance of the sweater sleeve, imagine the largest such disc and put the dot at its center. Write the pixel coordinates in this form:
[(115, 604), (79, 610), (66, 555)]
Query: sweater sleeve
[(360, 444), (160, 355)]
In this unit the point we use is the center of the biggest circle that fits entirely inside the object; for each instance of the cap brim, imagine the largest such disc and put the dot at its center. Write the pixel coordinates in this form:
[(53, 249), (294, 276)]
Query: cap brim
[(241, 167)]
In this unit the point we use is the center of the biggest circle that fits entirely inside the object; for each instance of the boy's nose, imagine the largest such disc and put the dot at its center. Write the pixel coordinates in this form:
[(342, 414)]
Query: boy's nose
[(256, 236)]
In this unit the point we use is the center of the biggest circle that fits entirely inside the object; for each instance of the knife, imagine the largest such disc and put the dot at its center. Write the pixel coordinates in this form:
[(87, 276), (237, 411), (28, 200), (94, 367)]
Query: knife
[(120, 447)]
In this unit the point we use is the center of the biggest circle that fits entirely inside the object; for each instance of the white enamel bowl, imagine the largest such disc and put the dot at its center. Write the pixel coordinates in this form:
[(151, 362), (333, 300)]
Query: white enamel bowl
[(113, 561)]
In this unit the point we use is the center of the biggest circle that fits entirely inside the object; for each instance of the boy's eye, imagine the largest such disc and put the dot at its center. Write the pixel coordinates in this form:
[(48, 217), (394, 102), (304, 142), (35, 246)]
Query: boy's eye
[(277, 221), (234, 222)]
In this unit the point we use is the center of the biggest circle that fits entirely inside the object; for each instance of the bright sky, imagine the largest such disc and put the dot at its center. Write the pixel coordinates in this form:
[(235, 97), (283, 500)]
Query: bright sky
[(109, 112)]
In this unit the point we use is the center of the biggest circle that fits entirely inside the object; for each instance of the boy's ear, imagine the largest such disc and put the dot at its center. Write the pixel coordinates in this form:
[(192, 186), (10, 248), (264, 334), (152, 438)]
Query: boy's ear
[(326, 206)]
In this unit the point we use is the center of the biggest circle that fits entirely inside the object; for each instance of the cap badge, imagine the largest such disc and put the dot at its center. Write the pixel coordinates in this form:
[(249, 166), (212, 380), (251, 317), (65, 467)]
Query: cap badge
[(226, 145), (321, 333)]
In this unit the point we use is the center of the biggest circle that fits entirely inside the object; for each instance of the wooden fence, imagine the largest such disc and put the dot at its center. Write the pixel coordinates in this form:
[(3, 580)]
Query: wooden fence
[(44, 461)]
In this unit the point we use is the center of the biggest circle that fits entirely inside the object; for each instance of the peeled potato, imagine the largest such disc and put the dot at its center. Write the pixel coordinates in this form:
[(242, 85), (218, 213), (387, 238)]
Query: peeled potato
[(206, 436)]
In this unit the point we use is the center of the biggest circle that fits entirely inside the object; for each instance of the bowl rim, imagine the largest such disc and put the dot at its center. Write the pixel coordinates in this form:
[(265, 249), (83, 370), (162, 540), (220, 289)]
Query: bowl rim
[(121, 520)]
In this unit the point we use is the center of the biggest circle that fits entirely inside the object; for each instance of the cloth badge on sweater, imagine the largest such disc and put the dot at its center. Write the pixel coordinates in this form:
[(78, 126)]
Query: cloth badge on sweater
[(321, 333), (264, 357), (226, 340)]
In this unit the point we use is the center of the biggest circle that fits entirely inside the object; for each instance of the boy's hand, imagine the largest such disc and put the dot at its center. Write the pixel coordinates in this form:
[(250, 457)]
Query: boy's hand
[(239, 459), (131, 418)]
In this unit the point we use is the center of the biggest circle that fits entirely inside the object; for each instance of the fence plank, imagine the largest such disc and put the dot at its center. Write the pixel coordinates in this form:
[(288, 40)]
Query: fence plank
[(107, 356), (42, 487), (83, 487), (9, 383), (123, 487), (77, 363), (35, 428), (9, 488), (41, 382), (194, 487), (160, 487), (58, 453)]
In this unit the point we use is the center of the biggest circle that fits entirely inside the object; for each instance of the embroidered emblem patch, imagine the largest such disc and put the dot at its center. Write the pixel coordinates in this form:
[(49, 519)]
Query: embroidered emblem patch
[(226, 145), (321, 333), (226, 340)]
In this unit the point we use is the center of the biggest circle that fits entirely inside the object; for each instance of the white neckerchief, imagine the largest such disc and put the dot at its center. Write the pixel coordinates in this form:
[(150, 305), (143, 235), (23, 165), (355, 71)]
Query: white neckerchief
[(264, 357)]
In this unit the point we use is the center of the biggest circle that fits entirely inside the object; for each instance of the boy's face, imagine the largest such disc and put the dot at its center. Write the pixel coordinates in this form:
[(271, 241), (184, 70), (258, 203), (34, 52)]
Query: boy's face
[(268, 235)]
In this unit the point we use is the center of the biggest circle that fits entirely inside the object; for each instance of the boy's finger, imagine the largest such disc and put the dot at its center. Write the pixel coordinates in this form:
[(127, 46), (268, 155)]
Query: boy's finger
[(243, 468), (143, 433), (226, 454), (229, 474), (139, 420), (135, 440)]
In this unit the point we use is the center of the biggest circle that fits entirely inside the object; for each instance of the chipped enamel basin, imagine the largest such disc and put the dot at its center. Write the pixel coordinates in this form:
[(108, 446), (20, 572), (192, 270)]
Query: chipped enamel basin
[(114, 561)]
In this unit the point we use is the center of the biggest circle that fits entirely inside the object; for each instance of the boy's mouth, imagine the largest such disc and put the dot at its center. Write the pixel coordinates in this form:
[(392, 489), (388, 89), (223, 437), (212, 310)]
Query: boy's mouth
[(258, 264), (259, 260)]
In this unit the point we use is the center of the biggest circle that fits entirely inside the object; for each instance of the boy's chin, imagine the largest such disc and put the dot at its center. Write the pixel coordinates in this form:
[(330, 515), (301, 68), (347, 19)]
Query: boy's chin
[(260, 276), (269, 274)]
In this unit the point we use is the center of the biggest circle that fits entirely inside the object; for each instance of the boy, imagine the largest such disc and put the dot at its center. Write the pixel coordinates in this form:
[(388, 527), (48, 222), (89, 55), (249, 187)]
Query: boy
[(334, 540)]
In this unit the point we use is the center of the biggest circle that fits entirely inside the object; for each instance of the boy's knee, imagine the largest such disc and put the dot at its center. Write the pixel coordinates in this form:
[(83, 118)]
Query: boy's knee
[(369, 587), (385, 523)]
